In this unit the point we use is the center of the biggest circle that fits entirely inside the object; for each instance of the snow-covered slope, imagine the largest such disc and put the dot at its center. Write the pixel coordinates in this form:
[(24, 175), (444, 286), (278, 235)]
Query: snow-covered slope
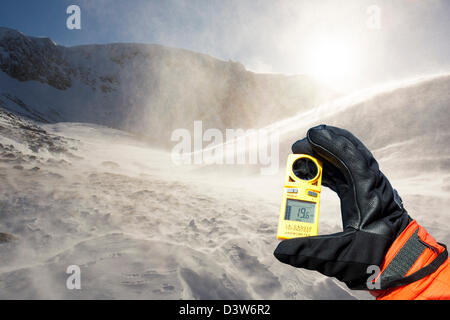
[(147, 89), (140, 227), (395, 119)]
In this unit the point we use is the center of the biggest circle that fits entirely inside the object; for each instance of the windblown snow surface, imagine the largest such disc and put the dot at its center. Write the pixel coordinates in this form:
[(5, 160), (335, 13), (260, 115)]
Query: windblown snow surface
[(141, 227)]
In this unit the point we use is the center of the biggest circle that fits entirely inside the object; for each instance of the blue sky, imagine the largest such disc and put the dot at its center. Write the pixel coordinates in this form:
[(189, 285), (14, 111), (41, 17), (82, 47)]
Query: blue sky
[(284, 36)]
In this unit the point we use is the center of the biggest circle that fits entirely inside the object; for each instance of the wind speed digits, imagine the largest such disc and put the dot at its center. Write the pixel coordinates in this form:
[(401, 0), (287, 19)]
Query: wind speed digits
[(300, 211)]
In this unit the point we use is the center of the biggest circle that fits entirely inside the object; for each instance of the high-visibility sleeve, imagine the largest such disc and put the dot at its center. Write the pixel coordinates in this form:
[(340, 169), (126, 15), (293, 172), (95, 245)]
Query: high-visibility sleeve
[(416, 267)]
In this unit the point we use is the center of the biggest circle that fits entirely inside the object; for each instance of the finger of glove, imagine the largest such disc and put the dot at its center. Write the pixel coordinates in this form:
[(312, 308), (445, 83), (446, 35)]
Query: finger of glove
[(343, 150), (331, 176), (359, 168), (302, 147)]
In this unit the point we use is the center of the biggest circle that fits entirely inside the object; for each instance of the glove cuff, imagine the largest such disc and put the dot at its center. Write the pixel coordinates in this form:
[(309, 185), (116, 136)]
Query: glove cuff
[(414, 255)]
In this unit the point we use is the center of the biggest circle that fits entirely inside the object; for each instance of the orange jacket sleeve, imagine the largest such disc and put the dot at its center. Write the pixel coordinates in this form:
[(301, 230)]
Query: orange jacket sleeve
[(415, 253)]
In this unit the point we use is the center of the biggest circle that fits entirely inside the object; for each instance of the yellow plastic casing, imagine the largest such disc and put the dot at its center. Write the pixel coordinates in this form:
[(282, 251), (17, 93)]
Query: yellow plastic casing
[(306, 191)]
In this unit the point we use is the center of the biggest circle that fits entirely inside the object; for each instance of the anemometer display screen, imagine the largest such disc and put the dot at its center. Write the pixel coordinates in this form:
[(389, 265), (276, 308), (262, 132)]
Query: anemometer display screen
[(302, 211)]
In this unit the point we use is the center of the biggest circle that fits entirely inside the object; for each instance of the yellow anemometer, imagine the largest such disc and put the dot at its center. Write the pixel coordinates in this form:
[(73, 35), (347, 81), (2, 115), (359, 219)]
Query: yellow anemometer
[(299, 216)]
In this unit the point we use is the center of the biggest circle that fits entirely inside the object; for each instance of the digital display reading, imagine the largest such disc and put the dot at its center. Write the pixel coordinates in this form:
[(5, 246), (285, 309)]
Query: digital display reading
[(302, 211)]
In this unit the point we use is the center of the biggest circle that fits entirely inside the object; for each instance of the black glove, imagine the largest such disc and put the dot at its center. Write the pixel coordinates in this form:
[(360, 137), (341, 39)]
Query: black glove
[(372, 211)]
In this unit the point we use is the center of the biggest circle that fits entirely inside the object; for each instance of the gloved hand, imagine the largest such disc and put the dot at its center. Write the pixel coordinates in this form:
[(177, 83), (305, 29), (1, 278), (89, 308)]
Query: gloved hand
[(372, 211)]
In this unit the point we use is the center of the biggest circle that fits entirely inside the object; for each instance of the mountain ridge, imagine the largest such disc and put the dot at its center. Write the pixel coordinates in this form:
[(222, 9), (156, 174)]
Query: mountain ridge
[(147, 89)]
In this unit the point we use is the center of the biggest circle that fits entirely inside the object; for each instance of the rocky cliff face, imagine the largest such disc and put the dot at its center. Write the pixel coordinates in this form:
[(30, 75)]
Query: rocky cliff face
[(40, 59), (146, 89)]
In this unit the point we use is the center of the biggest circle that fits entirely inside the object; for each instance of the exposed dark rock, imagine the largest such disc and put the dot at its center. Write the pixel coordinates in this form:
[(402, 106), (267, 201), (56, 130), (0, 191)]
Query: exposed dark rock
[(5, 237)]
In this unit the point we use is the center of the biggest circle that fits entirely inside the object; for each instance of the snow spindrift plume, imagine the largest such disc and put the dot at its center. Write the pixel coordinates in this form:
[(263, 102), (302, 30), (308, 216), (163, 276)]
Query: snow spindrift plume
[(341, 111)]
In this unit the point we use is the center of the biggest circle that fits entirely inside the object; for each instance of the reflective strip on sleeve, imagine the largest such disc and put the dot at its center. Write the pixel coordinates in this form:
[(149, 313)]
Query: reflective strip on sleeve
[(394, 274)]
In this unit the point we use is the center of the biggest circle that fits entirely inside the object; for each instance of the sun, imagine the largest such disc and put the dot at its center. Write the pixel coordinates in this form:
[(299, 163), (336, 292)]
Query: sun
[(332, 61)]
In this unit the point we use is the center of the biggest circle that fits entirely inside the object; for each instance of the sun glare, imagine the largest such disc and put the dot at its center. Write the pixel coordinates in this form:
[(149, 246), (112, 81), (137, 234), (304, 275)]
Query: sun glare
[(333, 62)]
